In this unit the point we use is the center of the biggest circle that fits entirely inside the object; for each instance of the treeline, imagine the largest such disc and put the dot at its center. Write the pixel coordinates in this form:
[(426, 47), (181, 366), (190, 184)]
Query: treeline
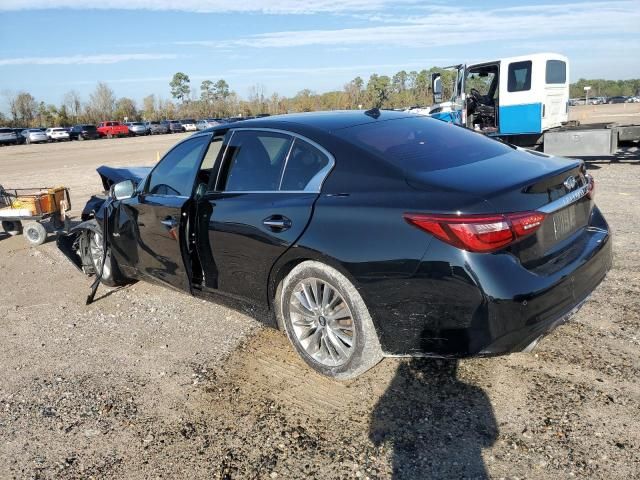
[(216, 99), (605, 88)]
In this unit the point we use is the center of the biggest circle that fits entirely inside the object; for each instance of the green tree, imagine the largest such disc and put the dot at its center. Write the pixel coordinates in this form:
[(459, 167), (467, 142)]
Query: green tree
[(378, 89), (354, 92), (221, 89), (126, 108), (207, 92), (63, 116), (399, 81), (180, 89)]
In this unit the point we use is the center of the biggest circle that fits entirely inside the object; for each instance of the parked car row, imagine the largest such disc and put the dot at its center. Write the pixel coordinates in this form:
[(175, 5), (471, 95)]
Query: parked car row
[(603, 100), (109, 129)]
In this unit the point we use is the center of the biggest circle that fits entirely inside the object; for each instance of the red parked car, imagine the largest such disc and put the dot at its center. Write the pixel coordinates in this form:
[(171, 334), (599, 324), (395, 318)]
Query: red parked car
[(112, 129)]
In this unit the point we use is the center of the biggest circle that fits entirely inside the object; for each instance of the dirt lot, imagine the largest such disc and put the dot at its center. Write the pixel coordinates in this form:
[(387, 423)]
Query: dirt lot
[(622, 113), (149, 383)]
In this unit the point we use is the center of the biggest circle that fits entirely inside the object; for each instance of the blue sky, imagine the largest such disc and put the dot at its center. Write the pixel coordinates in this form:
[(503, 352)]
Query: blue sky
[(48, 47)]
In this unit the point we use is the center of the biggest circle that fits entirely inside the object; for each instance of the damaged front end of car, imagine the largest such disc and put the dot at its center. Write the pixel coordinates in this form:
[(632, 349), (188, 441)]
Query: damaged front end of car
[(76, 244)]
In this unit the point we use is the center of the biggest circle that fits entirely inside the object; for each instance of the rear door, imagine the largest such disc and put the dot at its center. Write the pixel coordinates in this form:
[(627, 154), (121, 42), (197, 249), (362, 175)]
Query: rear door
[(556, 94), (151, 230), (259, 204)]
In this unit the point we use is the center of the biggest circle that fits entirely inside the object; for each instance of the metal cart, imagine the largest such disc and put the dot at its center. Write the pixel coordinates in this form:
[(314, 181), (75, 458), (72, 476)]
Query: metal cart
[(23, 210)]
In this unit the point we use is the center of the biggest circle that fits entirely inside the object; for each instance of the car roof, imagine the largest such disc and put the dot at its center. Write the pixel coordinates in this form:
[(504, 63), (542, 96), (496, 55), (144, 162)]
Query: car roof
[(327, 121)]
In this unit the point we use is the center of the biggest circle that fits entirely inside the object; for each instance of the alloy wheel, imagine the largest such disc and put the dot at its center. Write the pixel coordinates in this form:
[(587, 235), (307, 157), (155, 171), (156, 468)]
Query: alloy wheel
[(322, 322)]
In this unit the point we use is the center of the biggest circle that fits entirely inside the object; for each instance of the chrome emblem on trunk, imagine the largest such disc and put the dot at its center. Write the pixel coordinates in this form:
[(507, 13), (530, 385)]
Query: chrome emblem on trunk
[(570, 183)]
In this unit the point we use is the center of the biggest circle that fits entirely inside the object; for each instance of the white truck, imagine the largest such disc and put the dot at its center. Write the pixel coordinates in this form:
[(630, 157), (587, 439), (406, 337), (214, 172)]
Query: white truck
[(525, 101)]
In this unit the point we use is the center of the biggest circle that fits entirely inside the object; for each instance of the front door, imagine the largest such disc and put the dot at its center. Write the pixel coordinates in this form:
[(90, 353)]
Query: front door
[(150, 232), (259, 206)]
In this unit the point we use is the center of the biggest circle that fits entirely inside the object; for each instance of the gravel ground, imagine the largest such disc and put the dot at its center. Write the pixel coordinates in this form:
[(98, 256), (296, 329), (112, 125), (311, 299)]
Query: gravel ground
[(150, 383)]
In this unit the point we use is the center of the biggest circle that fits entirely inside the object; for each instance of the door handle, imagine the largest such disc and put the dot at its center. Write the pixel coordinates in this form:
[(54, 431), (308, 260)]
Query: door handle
[(169, 222), (277, 223)]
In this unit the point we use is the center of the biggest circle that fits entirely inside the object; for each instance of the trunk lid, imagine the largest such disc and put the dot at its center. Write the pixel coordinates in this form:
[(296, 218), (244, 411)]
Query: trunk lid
[(520, 181)]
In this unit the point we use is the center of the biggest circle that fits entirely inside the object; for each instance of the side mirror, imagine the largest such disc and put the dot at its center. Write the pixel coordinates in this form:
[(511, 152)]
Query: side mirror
[(436, 87), (123, 190)]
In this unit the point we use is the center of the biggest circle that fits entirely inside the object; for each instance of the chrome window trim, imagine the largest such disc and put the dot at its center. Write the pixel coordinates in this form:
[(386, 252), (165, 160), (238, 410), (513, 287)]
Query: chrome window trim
[(566, 200), (222, 158), (286, 162), (263, 191), (316, 182)]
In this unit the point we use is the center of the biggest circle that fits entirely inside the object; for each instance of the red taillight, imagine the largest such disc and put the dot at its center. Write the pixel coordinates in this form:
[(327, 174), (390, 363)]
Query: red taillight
[(591, 190), (478, 233)]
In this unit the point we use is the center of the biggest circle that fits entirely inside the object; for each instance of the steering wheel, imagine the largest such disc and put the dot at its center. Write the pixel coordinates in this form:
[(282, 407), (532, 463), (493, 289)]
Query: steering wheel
[(475, 94)]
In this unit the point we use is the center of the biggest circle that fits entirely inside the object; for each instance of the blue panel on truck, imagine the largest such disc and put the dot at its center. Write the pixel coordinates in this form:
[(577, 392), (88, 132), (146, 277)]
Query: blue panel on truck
[(449, 117), (517, 119)]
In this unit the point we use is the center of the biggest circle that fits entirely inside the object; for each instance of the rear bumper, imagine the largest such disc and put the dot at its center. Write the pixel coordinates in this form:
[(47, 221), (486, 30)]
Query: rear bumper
[(489, 304)]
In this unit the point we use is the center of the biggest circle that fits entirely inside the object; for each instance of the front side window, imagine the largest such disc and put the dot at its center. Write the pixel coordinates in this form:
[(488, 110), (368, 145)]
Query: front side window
[(176, 172), (519, 76), (254, 161), (305, 162), (556, 71)]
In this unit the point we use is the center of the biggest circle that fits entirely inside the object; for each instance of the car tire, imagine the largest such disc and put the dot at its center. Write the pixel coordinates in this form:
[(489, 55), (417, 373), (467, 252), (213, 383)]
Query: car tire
[(336, 336), (35, 233), (12, 227), (112, 276)]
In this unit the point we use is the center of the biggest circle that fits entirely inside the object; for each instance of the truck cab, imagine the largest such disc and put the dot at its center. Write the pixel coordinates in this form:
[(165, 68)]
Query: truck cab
[(517, 97)]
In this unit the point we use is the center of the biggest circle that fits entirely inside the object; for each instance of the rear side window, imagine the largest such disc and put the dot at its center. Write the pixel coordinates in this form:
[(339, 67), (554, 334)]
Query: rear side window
[(176, 173), (556, 72), (519, 76), (304, 164), (254, 161), (421, 144)]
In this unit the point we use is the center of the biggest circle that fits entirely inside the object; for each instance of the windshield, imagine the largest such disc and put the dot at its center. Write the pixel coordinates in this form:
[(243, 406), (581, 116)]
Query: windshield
[(480, 81), (422, 144)]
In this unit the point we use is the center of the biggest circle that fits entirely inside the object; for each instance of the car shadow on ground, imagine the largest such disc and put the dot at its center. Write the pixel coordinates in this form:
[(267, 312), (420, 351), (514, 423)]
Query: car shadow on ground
[(435, 423), (627, 154)]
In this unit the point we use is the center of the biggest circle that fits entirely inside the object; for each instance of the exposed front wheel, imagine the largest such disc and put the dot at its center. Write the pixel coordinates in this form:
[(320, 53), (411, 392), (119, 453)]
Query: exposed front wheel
[(327, 321), (111, 275)]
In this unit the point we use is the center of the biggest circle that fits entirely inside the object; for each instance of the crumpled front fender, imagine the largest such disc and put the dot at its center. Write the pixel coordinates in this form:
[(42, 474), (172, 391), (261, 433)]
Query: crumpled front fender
[(74, 245)]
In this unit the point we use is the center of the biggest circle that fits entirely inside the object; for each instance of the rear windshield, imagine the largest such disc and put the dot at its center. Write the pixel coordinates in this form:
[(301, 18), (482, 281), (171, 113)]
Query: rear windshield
[(6, 130), (89, 127), (138, 124), (58, 130), (421, 144)]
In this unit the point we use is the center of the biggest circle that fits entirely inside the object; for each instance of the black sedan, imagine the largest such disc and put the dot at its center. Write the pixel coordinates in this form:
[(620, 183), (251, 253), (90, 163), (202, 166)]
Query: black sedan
[(83, 132), (368, 234)]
